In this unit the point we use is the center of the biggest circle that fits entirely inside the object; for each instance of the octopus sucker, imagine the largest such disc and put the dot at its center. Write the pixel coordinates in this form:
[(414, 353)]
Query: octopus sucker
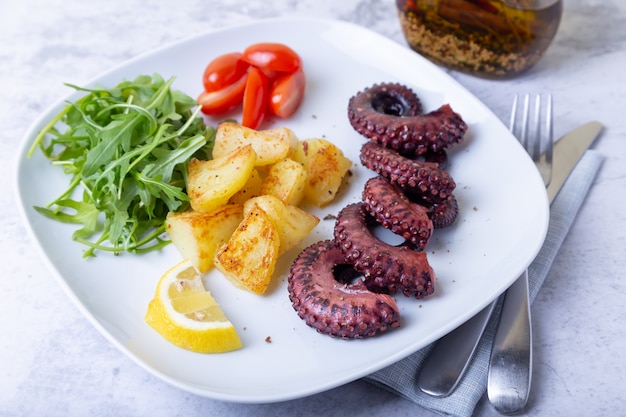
[(391, 114), (429, 182), (393, 210), (385, 267), (347, 311)]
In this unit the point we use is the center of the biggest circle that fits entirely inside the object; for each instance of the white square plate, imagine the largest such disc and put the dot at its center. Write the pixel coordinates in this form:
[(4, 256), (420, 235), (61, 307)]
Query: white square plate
[(501, 226)]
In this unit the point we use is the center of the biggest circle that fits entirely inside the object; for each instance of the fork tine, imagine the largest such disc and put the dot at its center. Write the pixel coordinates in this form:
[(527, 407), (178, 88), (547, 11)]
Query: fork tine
[(534, 132), (512, 125), (542, 149), (518, 123), (536, 145), (550, 139), (523, 136)]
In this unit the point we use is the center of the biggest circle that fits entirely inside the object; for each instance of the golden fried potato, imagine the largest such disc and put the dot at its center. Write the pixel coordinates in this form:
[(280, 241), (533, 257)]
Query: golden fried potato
[(198, 235), (269, 147), (325, 165), (252, 188), (212, 183), (285, 134), (249, 257), (297, 224), (286, 180), (292, 223)]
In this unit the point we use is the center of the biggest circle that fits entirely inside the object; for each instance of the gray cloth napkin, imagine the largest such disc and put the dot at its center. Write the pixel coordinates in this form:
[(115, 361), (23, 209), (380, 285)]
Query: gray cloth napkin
[(401, 377)]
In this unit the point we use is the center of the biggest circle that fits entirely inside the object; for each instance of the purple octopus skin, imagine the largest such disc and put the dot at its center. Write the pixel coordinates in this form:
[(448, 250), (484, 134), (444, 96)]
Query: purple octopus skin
[(392, 209), (424, 179), (386, 268), (444, 214), (391, 114), (344, 310), (437, 159)]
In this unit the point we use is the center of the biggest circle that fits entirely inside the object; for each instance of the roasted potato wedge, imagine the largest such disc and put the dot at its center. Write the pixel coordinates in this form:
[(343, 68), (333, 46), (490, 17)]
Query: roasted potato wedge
[(212, 183), (249, 257), (286, 180), (325, 165), (297, 224), (198, 235), (285, 134), (292, 223), (252, 188), (269, 147)]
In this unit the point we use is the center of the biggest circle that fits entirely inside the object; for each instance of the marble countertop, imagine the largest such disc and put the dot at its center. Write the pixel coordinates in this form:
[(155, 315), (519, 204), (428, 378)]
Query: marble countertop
[(54, 363)]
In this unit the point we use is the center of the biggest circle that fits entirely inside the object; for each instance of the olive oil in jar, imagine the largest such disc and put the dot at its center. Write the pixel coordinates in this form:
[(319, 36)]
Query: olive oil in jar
[(487, 38)]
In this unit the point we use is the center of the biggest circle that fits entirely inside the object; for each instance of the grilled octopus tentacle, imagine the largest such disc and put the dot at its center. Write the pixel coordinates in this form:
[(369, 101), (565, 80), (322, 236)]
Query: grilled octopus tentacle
[(442, 214), (345, 310), (389, 114), (424, 179), (394, 211), (385, 267)]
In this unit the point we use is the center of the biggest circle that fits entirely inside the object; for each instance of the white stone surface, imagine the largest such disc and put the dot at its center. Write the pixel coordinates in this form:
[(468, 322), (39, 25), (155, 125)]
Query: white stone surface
[(53, 363)]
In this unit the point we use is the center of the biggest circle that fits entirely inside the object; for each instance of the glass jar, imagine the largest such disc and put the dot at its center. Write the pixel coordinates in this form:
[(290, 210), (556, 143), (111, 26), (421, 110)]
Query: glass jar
[(487, 38)]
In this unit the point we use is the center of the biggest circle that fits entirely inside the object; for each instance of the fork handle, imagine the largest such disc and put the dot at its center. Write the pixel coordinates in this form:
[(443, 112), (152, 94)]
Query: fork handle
[(510, 366), (445, 365)]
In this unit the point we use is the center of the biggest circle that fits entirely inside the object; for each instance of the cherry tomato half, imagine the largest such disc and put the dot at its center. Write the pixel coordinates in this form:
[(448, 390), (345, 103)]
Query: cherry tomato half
[(286, 94), (218, 102), (255, 98), (224, 71), (273, 57)]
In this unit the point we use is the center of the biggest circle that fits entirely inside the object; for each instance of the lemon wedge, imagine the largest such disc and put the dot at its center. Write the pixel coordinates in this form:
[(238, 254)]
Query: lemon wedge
[(187, 315)]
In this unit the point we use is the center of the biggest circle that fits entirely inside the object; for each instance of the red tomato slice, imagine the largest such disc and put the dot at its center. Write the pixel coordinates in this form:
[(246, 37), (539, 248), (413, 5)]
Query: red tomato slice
[(273, 57), (286, 94), (224, 71), (255, 99), (218, 102)]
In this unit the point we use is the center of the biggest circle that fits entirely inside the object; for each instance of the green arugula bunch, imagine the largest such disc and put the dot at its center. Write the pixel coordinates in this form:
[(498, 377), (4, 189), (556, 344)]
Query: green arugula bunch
[(126, 150)]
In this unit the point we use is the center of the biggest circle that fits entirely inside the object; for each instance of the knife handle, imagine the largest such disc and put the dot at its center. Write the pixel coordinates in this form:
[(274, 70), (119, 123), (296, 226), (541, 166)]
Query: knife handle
[(510, 366), (445, 365)]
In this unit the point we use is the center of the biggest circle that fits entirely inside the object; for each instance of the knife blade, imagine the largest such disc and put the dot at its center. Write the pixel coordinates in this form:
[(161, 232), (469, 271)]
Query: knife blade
[(447, 362), (567, 152)]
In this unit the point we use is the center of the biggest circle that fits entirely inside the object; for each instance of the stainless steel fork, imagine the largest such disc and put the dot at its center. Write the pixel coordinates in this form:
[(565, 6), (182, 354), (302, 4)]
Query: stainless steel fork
[(446, 364), (510, 366)]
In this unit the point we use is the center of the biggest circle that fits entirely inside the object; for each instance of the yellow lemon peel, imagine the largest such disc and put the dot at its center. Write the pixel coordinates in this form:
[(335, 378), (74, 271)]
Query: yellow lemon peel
[(187, 315)]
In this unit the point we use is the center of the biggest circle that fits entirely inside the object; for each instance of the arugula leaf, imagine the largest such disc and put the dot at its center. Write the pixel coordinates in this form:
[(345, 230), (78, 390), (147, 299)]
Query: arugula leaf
[(127, 148), (84, 213)]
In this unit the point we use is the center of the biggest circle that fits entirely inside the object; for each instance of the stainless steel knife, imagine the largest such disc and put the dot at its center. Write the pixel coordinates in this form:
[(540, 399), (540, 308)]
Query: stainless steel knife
[(444, 367)]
